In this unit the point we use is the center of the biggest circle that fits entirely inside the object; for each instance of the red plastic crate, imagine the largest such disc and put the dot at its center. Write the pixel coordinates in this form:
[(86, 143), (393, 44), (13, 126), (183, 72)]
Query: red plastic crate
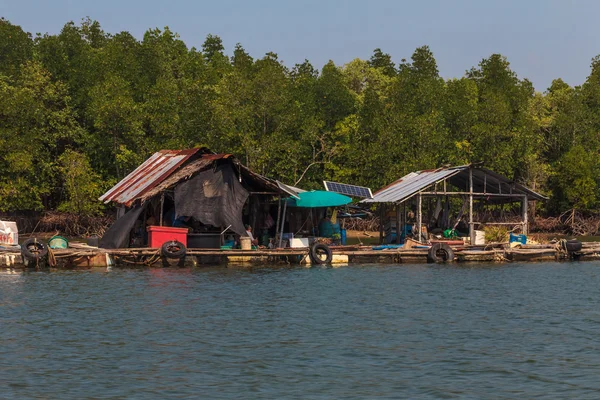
[(158, 235)]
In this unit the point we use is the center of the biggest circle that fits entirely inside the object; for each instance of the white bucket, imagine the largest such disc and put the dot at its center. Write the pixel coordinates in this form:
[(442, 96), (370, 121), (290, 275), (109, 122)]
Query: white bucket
[(246, 243)]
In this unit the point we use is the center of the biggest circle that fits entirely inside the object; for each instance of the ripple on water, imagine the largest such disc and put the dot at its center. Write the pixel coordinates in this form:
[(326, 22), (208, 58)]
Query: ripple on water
[(321, 333)]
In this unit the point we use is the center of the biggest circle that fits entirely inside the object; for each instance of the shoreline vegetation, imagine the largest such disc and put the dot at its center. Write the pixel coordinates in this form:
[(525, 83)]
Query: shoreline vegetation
[(82, 108)]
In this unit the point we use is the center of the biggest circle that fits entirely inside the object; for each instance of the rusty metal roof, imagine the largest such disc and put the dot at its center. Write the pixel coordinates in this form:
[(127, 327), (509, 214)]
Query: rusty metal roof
[(147, 176), (484, 180)]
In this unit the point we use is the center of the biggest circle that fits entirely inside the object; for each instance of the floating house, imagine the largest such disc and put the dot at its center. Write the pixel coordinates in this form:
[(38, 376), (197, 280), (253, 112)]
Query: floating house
[(216, 191), (471, 183)]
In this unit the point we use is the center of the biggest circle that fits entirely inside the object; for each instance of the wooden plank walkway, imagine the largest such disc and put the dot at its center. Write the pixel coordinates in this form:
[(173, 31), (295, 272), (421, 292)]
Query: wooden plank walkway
[(85, 256)]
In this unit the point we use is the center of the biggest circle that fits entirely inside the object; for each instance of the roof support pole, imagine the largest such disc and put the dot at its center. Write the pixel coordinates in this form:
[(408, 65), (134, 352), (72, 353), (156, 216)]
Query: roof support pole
[(525, 216), (419, 216), (278, 217), (398, 223), (471, 225), (381, 222), (282, 225), (162, 204)]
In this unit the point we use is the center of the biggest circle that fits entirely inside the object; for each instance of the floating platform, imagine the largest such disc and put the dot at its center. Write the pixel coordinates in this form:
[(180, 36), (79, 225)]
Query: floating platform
[(83, 256)]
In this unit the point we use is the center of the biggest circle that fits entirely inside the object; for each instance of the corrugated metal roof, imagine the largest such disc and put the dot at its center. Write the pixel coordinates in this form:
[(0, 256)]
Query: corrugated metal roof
[(416, 182), (148, 175), (291, 190), (410, 184)]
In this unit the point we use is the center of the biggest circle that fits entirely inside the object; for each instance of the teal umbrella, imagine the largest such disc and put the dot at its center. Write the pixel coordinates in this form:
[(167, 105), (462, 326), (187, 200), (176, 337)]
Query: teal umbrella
[(319, 198)]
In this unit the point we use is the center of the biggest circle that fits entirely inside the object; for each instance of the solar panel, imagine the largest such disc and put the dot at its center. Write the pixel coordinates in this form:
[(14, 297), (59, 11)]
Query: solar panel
[(349, 190)]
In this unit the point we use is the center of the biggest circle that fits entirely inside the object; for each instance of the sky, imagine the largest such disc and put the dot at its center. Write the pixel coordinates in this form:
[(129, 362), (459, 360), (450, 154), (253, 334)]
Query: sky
[(543, 40)]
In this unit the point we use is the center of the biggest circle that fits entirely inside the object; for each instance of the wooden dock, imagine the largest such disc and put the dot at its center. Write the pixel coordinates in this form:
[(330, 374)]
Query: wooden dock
[(83, 256)]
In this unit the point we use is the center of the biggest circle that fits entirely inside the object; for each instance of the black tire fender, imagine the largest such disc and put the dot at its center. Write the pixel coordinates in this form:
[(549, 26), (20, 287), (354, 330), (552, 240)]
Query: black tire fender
[(315, 253), (34, 249), (173, 249), (440, 252), (573, 246)]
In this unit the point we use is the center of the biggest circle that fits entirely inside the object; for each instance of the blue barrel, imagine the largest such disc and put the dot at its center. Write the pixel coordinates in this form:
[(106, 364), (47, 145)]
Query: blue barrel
[(343, 236)]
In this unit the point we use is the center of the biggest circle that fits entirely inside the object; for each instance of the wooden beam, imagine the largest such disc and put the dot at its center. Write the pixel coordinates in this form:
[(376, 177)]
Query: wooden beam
[(475, 194)]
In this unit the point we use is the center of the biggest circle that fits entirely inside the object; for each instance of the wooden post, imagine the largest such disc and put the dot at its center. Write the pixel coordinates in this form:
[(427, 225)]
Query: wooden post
[(381, 214), (282, 224), (278, 217), (471, 225), (252, 220), (403, 217), (525, 216), (162, 204), (419, 216), (397, 223)]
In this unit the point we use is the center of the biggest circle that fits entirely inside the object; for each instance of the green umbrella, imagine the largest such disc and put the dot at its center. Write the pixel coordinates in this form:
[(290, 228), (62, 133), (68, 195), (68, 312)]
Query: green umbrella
[(319, 198)]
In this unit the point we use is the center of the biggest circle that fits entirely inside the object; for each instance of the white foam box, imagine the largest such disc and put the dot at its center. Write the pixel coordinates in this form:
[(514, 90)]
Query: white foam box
[(298, 242), (9, 233)]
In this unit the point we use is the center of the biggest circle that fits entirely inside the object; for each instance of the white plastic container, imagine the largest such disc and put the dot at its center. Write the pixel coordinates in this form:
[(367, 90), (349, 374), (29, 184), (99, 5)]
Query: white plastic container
[(9, 233), (245, 243), (479, 237), (299, 243)]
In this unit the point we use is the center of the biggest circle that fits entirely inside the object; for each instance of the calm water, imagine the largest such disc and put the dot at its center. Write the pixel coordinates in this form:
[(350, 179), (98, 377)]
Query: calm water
[(512, 331)]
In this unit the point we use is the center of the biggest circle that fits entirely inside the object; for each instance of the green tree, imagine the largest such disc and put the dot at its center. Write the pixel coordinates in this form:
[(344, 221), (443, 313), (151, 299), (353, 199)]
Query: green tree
[(16, 47), (383, 61), (118, 140), (82, 186), (38, 123)]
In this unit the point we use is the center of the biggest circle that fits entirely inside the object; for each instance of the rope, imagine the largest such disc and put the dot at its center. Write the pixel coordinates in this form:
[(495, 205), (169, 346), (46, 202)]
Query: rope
[(149, 261), (561, 246), (51, 257)]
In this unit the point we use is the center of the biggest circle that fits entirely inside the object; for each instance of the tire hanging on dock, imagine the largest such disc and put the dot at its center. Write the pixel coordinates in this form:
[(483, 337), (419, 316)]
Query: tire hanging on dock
[(317, 251), (440, 252), (33, 249), (173, 249)]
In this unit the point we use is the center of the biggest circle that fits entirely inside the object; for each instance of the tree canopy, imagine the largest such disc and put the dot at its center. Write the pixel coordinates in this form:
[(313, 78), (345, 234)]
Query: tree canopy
[(102, 103)]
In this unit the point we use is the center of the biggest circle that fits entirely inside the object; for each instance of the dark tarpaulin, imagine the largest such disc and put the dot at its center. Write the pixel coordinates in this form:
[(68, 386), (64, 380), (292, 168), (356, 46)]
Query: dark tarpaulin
[(213, 197), (116, 236)]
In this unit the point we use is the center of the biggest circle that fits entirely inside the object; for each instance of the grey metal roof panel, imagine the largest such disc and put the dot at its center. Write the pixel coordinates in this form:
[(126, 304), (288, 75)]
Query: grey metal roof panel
[(289, 189), (416, 182), (411, 184)]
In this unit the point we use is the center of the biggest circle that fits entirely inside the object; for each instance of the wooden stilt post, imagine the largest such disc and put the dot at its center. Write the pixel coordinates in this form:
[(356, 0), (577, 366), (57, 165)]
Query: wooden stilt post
[(278, 217), (419, 216), (398, 223), (471, 225), (403, 217), (282, 225), (162, 204), (525, 216), (381, 222)]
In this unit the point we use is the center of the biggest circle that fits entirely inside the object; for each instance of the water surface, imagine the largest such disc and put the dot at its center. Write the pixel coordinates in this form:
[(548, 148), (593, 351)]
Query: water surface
[(385, 332)]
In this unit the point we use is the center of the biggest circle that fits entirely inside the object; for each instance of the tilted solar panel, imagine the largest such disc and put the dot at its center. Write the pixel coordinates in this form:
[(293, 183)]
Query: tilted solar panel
[(349, 190)]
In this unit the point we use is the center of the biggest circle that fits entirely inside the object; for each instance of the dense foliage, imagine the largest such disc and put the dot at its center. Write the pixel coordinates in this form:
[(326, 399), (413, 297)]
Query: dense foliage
[(80, 109)]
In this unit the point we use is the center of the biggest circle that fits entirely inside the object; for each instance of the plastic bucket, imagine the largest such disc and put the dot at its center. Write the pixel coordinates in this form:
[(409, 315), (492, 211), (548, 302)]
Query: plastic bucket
[(246, 243), (58, 242)]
